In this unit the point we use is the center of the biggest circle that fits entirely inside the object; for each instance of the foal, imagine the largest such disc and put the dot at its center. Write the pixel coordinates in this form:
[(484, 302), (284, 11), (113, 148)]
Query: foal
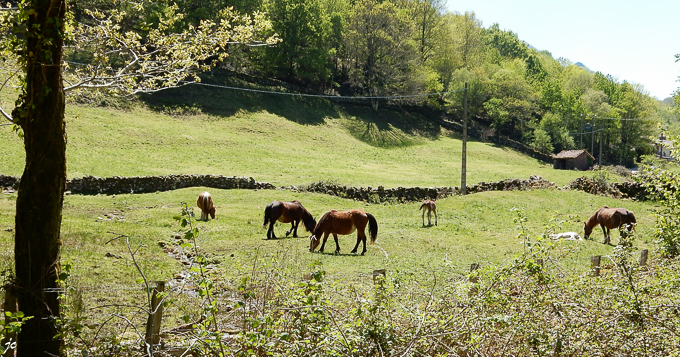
[(205, 203), (430, 207)]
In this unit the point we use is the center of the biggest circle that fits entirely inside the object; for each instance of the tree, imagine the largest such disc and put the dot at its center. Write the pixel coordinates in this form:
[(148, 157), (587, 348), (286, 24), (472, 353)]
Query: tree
[(506, 42), (469, 39), (125, 63), (427, 18), (305, 28), (380, 45)]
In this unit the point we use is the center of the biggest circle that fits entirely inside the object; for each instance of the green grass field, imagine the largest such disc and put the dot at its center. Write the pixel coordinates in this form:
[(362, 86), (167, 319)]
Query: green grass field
[(293, 142), (286, 142)]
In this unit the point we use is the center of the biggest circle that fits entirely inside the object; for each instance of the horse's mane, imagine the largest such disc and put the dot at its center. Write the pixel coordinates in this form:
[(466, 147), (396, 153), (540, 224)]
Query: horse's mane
[(592, 221)]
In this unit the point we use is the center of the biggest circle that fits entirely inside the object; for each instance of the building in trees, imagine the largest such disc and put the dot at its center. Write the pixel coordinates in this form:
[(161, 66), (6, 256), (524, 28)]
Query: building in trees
[(573, 159)]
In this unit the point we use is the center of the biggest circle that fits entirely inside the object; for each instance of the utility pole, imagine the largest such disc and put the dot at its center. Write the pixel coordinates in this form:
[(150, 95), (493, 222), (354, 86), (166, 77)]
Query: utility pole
[(592, 134), (599, 157), (463, 185), (581, 134)]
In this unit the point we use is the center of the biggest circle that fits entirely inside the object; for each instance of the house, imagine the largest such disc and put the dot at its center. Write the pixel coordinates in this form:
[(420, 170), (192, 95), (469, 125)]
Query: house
[(663, 147), (573, 159)]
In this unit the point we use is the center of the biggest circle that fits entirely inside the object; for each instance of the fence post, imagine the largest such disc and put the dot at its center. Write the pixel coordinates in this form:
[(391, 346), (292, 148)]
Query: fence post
[(473, 279), (379, 273), (595, 265), (643, 257), (153, 324)]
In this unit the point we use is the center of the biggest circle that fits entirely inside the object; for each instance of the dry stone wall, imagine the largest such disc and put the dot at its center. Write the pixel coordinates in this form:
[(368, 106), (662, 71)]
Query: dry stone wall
[(91, 185)]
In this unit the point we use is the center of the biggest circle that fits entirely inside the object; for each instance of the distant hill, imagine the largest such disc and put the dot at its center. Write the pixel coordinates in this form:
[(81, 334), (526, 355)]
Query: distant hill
[(584, 67)]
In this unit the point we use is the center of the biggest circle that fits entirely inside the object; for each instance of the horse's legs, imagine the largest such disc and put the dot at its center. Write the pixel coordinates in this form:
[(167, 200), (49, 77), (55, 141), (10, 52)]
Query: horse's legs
[(295, 224), (359, 240), (429, 217), (325, 238), (361, 237), (423, 218), (605, 230), (292, 228), (435, 217), (270, 231), (337, 245)]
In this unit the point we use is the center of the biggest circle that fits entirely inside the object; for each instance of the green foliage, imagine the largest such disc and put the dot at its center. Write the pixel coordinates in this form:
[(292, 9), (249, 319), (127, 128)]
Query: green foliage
[(304, 28), (542, 141), (664, 185)]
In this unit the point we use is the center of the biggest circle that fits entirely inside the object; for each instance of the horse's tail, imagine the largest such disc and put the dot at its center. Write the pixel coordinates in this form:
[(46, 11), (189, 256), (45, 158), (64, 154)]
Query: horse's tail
[(632, 219), (267, 213), (372, 227), (421, 206)]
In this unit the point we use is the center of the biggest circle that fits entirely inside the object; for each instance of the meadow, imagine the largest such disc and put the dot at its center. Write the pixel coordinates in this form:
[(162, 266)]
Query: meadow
[(290, 142)]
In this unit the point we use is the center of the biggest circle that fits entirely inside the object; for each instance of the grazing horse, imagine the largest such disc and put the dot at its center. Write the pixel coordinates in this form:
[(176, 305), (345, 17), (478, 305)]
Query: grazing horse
[(344, 223), (205, 203), (609, 218), (287, 212), (430, 207)]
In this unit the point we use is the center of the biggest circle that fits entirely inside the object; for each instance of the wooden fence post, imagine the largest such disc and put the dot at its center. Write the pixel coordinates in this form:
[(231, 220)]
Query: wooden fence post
[(153, 324), (473, 279), (643, 257), (379, 273), (595, 265)]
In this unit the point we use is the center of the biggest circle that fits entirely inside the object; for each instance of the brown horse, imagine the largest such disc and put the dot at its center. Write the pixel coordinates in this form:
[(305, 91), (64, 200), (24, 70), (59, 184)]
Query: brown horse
[(430, 207), (609, 218), (287, 212), (344, 223), (205, 203)]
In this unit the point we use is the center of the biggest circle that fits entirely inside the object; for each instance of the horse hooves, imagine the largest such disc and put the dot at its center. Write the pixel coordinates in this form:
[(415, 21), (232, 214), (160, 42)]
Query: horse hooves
[(362, 253), (287, 233)]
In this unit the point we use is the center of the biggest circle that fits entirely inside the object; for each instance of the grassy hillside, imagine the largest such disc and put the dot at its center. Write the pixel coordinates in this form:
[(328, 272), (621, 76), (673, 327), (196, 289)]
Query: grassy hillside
[(282, 140)]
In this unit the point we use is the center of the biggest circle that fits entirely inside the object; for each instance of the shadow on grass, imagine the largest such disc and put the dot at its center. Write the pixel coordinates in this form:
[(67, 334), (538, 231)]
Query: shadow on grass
[(224, 102), (382, 128)]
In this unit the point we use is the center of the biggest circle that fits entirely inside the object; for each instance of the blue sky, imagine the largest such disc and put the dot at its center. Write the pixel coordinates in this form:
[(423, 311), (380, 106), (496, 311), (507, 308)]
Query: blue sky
[(634, 41)]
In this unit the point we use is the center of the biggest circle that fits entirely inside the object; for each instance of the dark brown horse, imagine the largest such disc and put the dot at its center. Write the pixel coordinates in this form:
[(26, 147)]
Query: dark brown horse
[(431, 207), (287, 212), (343, 223), (205, 203), (609, 218)]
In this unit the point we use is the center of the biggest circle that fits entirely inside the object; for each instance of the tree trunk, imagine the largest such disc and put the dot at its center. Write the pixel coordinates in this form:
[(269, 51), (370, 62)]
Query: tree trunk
[(41, 190)]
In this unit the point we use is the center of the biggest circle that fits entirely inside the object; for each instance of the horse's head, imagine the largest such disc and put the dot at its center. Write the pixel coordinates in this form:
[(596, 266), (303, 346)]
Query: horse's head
[(212, 212), (313, 242), (587, 230)]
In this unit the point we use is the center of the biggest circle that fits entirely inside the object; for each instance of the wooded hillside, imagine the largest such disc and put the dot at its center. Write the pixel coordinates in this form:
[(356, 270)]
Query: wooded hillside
[(416, 47)]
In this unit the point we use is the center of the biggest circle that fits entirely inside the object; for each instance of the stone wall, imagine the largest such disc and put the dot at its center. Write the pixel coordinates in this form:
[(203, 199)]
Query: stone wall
[(408, 194), (626, 189), (90, 185)]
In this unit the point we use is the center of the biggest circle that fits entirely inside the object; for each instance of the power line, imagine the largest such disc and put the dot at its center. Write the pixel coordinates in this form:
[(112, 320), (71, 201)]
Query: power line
[(307, 95), (323, 95)]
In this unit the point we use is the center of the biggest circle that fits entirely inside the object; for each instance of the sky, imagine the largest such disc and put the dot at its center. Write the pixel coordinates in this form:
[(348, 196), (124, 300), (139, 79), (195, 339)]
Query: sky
[(635, 41)]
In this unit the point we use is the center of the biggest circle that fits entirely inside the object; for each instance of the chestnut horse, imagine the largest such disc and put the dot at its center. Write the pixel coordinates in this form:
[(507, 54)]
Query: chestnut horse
[(430, 207), (344, 223), (205, 203), (609, 218), (287, 212)]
